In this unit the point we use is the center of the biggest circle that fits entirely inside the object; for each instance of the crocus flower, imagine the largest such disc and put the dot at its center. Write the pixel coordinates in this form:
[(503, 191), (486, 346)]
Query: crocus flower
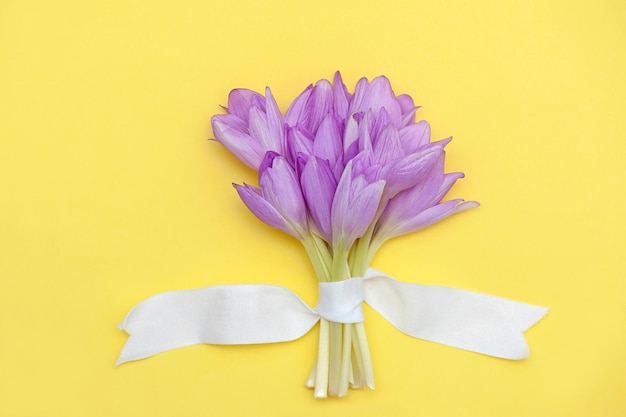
[(342, 172), (253, 126), (319, 186), (354, 206), (420, 206), (279, 201)]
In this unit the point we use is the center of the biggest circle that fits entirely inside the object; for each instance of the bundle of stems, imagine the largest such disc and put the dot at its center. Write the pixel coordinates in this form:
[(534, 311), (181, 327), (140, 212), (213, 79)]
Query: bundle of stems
[(343, 358)]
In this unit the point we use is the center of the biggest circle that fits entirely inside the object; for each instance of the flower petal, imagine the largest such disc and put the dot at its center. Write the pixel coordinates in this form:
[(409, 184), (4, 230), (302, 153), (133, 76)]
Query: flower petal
[(327, 143), (319, 105), (295, 112), (406, 103), (281, 189), (431, 216), (354, 207), (238, 142), (318, 186), (239, 102), (260, 130), (381, 120), (411, 202), (350, 138), (415, 136), (365, 126), (388, 146), (275, 120), (341, 97), (446, 185), (375, 96), (298, 140), (263, 210), (410, 170)]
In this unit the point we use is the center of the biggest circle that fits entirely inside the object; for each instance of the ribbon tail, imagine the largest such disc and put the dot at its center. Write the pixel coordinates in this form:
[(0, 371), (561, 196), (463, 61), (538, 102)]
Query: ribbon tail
[(463, 319), (223, 314)]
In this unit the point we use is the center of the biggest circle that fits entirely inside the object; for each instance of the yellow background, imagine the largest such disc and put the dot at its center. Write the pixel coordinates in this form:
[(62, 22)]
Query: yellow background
[(110, 193)]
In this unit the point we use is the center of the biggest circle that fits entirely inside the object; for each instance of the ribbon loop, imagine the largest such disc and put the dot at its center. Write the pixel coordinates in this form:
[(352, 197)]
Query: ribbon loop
[(252, 314), (463, 319), (220, 315)]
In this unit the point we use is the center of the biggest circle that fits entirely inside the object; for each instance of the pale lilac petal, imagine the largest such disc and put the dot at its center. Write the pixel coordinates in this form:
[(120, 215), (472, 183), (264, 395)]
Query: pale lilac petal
[(431, 216), (258, 101), (267, 162), (442, 142), (318, 186), (364, 204), (338, 168), (341, 202), (406, 103), (238, 142), (377, 94), (301, 161), (354, 207), (231, 120), (365, 126), (263, 210), (410, 170), (364, 165), (409, 117), (341, 97), (351, 152), (319, 105), (381, 121), (298, 141), (388, 146), (409, 203), (327, 142), (275, 120), (260, 131), (360, 91), (350, 134), (362, 162), (281, 189), (415, 136), (446, 185), (239, 102), (295, 112)]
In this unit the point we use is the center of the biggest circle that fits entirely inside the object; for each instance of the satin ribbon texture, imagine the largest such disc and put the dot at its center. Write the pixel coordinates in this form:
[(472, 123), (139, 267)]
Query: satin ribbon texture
[(253, 314)]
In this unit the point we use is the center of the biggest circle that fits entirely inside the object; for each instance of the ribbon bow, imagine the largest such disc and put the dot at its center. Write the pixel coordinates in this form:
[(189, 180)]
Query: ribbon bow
[(253, 314)]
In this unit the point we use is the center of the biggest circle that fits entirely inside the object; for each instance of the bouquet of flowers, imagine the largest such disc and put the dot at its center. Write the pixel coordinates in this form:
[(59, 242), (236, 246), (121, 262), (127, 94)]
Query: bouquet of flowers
[(342, 173)]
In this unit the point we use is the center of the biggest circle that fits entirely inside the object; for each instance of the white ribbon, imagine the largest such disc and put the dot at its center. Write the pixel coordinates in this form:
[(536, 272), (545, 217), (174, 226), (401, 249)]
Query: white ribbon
[(252, 314)]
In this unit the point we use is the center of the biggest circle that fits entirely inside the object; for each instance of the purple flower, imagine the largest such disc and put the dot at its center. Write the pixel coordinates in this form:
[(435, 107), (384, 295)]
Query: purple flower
[(253, 126), (342, 173), (319, 186), (420, 206), (337, 162), (279, 201), (354, 206)]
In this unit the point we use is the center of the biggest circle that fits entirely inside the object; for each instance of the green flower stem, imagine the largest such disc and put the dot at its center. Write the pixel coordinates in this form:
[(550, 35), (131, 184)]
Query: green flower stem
[(359, 262), (323, 354), (344, 372), (367, 371), (339, 378), (319, 255), (343, 358), (336, 331), (357, 364)]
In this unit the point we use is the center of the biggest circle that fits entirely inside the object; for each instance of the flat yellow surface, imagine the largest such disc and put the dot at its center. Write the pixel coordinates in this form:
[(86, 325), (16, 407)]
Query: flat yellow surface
[(110, 193)]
